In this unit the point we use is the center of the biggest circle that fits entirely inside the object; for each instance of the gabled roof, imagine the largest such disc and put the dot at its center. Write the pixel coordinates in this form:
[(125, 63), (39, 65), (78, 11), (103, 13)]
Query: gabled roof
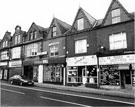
[(7, 35), (62, 26), (40, 28), (91, 20), (120, 5)]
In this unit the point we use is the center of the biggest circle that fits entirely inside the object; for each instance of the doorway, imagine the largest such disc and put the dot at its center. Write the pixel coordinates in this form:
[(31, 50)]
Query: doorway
[(28, 72), (125, 78)]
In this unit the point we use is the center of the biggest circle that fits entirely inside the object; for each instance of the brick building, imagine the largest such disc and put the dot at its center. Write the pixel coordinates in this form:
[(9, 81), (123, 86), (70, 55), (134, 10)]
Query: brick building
[(5, 55)]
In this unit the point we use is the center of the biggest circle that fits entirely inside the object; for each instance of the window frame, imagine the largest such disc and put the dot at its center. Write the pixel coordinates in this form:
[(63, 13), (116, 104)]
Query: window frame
[(54, 48), (80, 23), (116, 15), (114, 42), (54, 31), (77, 46), (31, 50), (16, 53)]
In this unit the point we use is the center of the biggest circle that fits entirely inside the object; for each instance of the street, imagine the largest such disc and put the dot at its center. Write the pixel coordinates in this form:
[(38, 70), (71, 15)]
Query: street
[(13, 95)]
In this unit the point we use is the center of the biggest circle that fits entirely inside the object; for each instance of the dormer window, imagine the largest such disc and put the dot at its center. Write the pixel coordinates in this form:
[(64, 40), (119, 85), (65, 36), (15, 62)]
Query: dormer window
[(31, 36), (116, 16), (17, 39), (35, 34), (54, 29), (5, 44), (80, 24)]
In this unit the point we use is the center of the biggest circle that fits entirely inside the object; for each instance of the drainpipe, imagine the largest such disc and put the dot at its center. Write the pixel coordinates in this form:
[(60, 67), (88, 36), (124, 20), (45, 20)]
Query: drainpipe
[(98, 73)]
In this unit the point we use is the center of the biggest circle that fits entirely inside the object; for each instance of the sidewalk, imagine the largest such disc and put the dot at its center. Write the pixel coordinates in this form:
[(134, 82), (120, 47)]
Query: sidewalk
[(127, 93)]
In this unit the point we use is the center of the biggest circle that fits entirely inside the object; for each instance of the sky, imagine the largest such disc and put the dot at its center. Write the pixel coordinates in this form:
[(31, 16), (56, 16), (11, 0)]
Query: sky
[(25, 12)]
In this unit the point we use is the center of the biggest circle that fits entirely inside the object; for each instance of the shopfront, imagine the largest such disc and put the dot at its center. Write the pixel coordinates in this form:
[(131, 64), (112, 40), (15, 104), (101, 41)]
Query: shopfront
[(4, 70), (30, 68), (117, 71), (53, 70), (15, 67), (82, 70)]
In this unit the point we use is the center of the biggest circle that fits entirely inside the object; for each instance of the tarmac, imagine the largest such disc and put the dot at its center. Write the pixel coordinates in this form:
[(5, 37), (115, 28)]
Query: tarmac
[(126, 93)]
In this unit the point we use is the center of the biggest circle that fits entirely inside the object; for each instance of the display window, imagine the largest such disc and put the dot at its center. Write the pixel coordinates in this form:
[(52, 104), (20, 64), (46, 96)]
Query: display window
[(1, 72), (82, 74), (5, 74), (109, 75), (53, 73), (133, 78)]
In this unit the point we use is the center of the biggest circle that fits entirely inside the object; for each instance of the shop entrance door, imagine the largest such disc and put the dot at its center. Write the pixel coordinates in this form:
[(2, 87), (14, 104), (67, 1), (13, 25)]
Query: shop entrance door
[(84, 75), (127, 79)]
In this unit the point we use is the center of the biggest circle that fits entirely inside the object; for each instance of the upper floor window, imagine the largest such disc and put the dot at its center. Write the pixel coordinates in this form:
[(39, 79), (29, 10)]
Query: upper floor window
[(4, 55), (17, 39), (80, 24), (31, 50), (31, 36), (54, 29), (5, 44), (118, 41), (54, 50), (116, 16), (35, 34), (16, 52), (81, 46)]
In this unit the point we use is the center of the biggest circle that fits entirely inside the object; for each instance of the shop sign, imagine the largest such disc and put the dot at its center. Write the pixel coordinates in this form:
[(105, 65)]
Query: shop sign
[(82, 61), (3, 63), (42, 53), (45, 61), (121, 59), (38, 62), (15, 63)]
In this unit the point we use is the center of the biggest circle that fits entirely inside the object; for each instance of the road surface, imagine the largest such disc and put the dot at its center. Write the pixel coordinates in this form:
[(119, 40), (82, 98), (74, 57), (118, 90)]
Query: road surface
[(13, 95)]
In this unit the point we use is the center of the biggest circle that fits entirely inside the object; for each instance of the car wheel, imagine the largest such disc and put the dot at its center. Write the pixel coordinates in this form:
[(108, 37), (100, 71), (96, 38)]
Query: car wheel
[(11, 82), (21, 83)]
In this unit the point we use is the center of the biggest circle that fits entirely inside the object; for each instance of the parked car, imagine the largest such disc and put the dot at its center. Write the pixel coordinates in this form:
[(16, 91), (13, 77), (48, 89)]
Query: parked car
[(20, 80)]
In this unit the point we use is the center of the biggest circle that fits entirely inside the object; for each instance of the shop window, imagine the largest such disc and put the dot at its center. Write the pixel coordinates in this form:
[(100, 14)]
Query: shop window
[(73, 75), (53, 73), (116, 16), (80, 24), (81, 46), (118, 41), (109, 75), (5, 74), (1, 73)]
